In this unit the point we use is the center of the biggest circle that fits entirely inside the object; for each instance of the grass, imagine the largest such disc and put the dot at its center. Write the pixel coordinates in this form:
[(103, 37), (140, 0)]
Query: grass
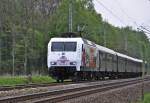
[(146, 98), (20, 80)]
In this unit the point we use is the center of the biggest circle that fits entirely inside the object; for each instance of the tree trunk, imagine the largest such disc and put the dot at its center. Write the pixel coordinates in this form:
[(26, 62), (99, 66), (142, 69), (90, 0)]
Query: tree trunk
[(13, 51)]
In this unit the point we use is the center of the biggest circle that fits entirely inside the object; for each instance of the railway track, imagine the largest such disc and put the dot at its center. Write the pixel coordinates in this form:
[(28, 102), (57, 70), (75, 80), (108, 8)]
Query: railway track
[(64, 94), (34, 85)]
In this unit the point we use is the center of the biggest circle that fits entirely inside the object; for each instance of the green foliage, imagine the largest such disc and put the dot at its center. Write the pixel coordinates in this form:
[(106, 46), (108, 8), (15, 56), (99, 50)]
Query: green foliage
[(146, 98)]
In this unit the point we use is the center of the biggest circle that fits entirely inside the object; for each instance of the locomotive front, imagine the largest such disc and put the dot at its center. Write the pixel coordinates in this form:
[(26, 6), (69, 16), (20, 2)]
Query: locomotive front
[(64, 57)]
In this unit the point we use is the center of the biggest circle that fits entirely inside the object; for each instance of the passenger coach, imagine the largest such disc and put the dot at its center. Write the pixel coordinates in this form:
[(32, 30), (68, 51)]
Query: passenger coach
[(81, 59)]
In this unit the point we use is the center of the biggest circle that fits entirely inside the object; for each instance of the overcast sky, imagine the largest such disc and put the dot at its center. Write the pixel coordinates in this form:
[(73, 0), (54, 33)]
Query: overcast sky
[(125, 12)]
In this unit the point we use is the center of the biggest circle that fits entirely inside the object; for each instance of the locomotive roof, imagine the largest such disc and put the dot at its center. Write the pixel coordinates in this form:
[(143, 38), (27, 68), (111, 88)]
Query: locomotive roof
[(59, 39)]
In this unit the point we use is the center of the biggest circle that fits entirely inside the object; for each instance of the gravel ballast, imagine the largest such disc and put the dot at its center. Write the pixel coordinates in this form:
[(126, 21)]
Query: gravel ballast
[(128, 94)]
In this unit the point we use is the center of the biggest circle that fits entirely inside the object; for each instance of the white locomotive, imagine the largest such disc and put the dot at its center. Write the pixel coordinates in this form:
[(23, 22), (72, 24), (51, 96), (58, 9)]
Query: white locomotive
[(79, 59)]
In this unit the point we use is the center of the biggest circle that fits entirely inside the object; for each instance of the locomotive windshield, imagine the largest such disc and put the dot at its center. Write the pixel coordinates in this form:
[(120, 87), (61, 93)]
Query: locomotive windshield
[(63, 46)]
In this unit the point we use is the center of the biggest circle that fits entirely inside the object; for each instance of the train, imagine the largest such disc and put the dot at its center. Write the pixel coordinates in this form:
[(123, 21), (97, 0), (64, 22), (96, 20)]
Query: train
[(78, 59)]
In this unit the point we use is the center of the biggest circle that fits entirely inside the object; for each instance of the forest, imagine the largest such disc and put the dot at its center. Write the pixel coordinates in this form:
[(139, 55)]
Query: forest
[(26, 26)]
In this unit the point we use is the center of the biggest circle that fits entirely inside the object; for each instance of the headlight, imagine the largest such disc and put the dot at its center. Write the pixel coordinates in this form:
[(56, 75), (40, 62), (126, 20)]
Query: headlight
[(73, 63), (53, 63)]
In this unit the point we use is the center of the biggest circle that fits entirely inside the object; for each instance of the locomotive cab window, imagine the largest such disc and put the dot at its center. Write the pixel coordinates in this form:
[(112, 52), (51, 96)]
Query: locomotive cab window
[(57, 46), (63, 46), (70, 46)]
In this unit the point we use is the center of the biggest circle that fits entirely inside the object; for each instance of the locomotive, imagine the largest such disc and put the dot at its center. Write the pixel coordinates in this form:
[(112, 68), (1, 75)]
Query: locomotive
[(77, 58)]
